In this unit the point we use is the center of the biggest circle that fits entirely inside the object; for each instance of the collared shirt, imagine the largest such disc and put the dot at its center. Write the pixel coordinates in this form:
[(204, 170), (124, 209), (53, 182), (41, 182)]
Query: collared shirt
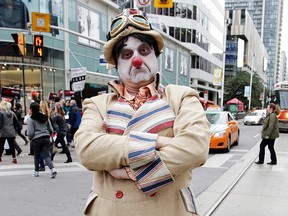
[(145, 92)]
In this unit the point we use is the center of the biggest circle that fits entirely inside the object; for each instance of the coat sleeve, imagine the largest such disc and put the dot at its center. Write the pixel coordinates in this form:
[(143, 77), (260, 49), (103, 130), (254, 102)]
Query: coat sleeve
[(30, 129), (98, 150), (189, 147), (271, 125)]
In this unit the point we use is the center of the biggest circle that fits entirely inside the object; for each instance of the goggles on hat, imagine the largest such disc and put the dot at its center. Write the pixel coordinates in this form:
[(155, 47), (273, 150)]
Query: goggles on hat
[(133, 18)]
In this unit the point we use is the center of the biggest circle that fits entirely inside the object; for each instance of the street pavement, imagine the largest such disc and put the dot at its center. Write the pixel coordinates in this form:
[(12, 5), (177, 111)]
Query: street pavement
[(25, 195), (262, 190)]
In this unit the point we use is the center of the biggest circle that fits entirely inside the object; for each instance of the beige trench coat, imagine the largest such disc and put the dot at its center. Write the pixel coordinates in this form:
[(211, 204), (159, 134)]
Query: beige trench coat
[(99, 152)]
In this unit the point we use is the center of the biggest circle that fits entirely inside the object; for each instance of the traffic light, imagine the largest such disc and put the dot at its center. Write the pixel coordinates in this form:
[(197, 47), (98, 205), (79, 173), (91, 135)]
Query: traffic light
[(163, 3), (38, 46), (20, 43)]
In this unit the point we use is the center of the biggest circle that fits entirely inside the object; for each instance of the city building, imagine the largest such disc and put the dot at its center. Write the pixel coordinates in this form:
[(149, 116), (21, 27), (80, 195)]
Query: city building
[(267, 17), (72, 63), (199, 26), (72, 51), (283, 68), (245, 50)]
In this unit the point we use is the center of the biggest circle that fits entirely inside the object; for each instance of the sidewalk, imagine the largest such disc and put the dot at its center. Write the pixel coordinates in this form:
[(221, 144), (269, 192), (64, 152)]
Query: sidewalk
[(263, 189)]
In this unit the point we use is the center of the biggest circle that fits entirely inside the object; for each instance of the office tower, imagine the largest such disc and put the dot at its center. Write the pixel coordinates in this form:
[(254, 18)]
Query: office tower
[(267, 18)]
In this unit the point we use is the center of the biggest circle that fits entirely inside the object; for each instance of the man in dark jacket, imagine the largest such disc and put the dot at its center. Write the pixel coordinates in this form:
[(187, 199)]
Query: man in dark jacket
[(74, 118)]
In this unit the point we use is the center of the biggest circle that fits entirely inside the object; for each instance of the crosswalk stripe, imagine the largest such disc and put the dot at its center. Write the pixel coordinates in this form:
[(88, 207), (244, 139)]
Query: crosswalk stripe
[(217, 160), (26, 169)]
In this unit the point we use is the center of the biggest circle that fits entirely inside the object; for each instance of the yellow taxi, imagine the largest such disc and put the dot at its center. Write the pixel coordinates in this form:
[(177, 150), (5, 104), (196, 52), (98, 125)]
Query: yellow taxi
[(224, 130)]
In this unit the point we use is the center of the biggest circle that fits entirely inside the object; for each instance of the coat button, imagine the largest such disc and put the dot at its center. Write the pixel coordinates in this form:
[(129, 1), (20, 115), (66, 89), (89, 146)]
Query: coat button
[(119, 194)]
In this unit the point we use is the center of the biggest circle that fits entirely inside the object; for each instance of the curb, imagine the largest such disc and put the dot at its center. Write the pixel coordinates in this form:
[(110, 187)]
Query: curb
[(209, 199)]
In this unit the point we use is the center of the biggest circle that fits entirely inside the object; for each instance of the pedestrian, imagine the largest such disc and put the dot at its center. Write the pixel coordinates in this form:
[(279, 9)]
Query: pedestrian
[(18, 111), (270, 131), (74, 118), (43, 106), (7, 129), (67, 108), (143, 140), (16, 127), (39, 131), (61, 130)]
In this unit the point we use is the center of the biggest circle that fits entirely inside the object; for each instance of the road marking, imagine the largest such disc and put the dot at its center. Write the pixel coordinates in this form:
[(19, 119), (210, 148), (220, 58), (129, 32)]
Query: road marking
[(27, 169), (256, 135), (239, 150), (217, 160)]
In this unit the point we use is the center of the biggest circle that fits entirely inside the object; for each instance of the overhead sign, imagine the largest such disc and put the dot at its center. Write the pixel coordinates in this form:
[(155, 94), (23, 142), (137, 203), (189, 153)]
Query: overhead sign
[(144, 3), (163, 3), (77, 78), (40, 22)]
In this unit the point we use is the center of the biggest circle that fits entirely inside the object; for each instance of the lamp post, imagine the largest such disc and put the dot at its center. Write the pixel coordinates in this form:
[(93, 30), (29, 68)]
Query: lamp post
[(263, 99), (251, 81), (226, 23)]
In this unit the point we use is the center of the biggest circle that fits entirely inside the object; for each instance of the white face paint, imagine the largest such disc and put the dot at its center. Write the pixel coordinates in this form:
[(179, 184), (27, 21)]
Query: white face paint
[(130, 75)]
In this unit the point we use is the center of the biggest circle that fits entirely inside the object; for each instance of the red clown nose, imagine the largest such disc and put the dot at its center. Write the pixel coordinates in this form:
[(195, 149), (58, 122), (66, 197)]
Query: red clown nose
[(137, 62)]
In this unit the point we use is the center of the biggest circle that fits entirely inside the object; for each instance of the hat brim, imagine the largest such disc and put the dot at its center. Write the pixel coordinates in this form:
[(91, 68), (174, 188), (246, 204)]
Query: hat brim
[(109, 45)]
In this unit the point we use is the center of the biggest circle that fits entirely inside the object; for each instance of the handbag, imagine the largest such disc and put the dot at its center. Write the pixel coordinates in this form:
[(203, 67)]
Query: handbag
[(53, 148)]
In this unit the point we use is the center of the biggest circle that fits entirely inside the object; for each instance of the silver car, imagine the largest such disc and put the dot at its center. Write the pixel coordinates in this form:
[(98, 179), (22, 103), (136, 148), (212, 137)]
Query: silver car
[(255, 118)]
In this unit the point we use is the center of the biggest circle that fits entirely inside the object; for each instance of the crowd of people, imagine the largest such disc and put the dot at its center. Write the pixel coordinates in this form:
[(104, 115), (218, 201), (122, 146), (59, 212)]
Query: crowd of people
[(50, 125)]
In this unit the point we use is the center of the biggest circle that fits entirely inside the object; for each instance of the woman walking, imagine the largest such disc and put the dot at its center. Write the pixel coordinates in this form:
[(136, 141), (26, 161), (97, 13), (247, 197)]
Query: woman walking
[(18, 111), (7, 130), (270, 132), (61, 129), (39, 131)]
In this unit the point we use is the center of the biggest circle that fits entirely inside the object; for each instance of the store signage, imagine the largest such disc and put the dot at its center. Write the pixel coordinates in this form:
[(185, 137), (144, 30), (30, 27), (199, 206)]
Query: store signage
[(69, 93), (52, 96), (11, 93)]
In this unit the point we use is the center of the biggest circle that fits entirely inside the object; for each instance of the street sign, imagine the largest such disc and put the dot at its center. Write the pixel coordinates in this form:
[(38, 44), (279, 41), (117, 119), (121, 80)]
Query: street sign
[(163, 3), (217, 78), (247, 91), (77, 77), (205, 96), (40, 22), (102, 60), (144, 3)]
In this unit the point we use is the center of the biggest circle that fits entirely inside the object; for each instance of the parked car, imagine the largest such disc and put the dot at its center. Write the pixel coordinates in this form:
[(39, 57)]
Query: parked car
[(224, 130), (256, 117)]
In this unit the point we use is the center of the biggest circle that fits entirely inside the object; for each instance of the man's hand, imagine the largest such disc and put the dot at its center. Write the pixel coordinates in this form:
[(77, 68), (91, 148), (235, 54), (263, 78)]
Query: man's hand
[(119, 173), (161, 141)]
